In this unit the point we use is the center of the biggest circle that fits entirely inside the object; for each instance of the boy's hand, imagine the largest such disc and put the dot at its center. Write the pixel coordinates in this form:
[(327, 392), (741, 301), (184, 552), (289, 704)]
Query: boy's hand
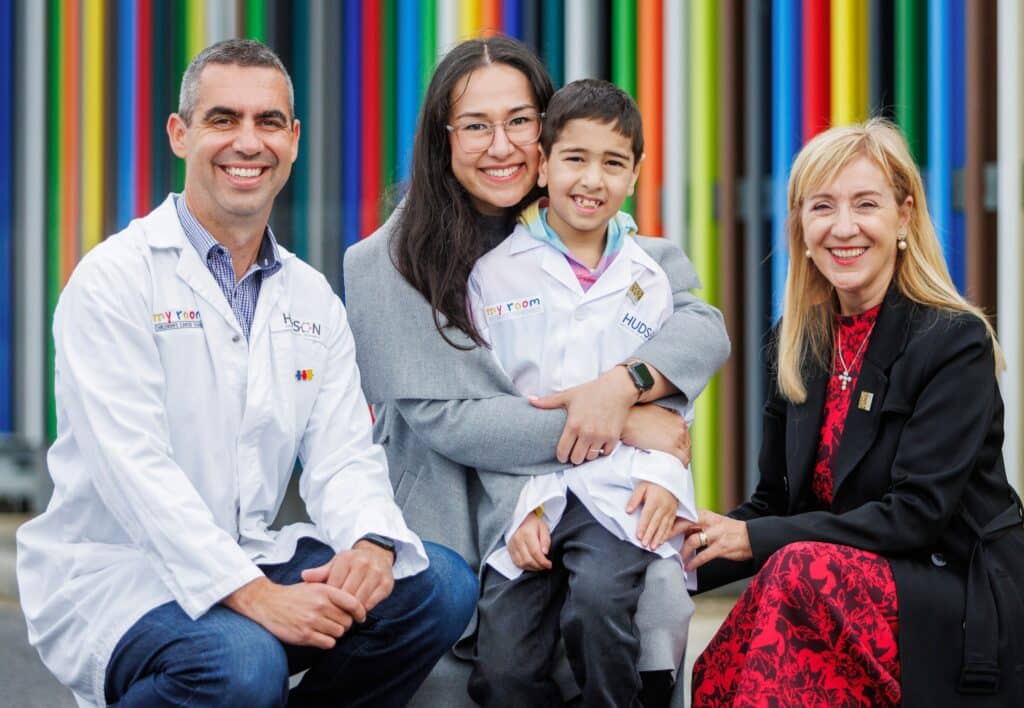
[(530, 544), (657, 516)]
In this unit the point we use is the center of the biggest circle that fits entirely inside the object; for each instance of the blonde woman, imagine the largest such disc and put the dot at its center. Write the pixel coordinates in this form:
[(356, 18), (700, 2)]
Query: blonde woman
[(886, 541)]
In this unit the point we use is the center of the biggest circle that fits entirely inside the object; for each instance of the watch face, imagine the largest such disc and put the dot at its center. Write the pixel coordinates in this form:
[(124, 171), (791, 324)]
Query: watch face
[(641, 375)]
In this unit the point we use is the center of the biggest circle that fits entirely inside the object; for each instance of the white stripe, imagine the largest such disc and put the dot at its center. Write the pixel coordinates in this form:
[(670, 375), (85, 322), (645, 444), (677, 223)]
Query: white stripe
[(675, 87)]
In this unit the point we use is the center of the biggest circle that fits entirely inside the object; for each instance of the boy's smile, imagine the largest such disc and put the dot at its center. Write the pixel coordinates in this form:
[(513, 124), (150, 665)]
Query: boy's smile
[(589, 174)]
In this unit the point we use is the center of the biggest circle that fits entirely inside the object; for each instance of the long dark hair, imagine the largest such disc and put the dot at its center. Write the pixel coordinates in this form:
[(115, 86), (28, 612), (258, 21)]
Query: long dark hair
[(438, 239)]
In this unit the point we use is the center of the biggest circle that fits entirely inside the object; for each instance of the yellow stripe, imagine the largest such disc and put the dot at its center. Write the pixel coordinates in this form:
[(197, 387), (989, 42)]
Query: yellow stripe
[(469, 19), (196, 27), (849, 71), (93, 43)]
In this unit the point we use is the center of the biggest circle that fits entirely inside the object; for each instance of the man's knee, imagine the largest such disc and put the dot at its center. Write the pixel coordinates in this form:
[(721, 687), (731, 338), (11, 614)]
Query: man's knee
[(457, 589), (247, 663)]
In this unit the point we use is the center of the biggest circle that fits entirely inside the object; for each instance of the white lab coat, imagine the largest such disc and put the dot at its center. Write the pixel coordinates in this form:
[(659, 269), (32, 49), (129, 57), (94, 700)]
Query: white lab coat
[(176, 440), (549, 335)]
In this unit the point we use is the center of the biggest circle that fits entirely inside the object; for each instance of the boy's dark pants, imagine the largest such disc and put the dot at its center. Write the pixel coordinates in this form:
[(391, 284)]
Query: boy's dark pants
[(588, 598)]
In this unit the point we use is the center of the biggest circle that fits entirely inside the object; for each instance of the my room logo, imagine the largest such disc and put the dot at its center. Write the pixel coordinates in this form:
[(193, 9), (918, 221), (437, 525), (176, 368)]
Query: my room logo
[(512, 309), (176, 319)]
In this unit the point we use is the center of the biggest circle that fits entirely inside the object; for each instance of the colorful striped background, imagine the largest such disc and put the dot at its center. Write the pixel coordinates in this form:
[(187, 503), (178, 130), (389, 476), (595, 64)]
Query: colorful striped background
[(729, 90)]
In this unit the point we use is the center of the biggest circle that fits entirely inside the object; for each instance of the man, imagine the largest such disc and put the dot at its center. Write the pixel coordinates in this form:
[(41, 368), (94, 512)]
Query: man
[(196, 359)]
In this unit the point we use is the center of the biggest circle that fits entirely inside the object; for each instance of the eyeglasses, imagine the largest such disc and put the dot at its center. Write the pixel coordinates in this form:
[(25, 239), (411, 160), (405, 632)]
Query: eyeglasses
[(477, 136)]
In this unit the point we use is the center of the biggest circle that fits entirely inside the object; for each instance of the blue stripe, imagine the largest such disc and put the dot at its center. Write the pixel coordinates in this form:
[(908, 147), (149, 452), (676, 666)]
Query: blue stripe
[(353, 120), (958, 114), (128, 124), (553, 32), (511, 19), (300, 170), (786, 131), (407, 84), (938, 185), (6, 216)]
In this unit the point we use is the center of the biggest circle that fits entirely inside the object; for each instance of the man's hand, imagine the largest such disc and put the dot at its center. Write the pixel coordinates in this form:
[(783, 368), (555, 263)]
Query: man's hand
[(597, 414), (652, 427), (364, 572), (656, 517), (530, 544), (301, 614)]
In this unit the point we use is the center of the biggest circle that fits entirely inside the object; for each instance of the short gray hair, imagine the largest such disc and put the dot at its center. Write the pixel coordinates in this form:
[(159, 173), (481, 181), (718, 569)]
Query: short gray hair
[(237, 52)]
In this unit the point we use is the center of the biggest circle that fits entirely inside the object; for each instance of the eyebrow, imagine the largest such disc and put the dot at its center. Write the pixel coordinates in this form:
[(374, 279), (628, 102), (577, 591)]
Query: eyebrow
[(862, 193), (231, 112), (480, 114), (607, 153)]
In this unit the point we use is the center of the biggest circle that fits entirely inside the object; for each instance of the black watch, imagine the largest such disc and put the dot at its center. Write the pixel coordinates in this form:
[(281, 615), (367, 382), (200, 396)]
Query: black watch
[(641, 375), (378, 540)]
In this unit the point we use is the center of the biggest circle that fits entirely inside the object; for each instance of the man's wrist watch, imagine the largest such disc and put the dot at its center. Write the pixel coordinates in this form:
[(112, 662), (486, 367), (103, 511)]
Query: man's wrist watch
[(640, 375), (378, 540)]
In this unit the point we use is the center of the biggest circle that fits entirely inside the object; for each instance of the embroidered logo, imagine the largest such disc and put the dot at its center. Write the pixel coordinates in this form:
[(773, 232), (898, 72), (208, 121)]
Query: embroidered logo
[(303, 374), (631, 321), (514, 309), (306, 328), (176, 319), (635, 292)]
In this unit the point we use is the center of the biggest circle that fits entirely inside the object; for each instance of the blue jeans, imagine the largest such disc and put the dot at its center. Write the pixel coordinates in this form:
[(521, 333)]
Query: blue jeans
[(225, 659)]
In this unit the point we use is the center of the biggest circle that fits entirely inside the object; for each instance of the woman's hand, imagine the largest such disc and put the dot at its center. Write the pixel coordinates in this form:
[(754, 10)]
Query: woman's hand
[(597, 415), (655, 428), (720, 537)]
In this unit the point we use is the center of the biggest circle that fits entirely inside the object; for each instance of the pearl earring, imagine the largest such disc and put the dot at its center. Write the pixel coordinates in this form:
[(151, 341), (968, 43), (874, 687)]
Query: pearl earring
[(901, 240), (807, 253)]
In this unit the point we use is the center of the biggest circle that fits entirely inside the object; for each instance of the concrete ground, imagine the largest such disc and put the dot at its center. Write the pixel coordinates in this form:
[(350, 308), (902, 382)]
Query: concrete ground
[(25, 682)]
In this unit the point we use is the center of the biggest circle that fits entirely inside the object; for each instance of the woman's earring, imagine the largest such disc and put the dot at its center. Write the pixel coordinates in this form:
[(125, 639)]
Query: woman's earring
[(901, 239), (807, 253)]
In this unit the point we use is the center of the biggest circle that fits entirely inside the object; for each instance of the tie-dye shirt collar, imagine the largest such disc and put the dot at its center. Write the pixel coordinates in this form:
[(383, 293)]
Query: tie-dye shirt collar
[(535, 219)]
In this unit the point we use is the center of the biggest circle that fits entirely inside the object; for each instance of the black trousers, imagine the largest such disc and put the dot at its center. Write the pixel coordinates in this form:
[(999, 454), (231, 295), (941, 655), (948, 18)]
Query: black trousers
[(589, 598)]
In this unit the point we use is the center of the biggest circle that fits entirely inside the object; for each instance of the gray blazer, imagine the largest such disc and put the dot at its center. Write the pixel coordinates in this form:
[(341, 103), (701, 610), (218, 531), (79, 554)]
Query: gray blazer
[(460, 440)]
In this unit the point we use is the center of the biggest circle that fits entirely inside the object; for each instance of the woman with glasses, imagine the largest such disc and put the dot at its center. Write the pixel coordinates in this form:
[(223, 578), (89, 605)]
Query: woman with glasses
[(460, 440)]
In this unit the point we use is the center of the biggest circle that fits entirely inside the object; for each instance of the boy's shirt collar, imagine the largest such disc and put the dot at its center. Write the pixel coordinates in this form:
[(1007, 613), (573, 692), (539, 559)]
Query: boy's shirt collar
[(534, 218)]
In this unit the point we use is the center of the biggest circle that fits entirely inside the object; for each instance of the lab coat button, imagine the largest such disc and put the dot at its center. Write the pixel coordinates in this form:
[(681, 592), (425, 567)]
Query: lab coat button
[(237, 338), (938, 560), (580, 314)]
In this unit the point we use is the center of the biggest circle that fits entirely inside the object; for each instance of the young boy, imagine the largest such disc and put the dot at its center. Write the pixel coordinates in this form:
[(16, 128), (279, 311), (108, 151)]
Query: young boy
[(567, 296)]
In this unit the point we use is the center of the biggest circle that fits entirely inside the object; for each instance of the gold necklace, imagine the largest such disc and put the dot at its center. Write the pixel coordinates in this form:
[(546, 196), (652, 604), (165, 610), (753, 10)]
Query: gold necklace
[(844, 375)]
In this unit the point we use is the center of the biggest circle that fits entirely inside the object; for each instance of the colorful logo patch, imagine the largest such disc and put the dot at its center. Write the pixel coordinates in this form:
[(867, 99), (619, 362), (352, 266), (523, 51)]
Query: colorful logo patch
[(513, 309), (176, 319), (303, 374)]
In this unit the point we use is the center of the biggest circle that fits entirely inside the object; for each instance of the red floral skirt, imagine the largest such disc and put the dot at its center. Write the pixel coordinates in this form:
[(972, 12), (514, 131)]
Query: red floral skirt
[(817, 627)]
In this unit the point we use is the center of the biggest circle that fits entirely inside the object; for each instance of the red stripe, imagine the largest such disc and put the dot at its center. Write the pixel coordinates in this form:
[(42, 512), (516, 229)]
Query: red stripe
[(144, 108), (816, 64), (370, 176), (71, 159), (490, 17)]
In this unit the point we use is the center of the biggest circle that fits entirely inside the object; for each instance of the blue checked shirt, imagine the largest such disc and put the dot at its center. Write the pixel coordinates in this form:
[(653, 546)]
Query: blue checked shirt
[(242, 295)]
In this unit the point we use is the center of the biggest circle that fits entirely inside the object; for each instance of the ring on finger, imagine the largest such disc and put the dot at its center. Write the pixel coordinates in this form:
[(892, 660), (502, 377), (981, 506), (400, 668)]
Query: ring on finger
[(703, 538), (598, 451)]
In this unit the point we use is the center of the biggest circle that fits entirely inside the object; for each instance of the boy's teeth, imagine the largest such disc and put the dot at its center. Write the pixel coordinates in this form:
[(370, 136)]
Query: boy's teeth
[(502, 172), (244, 171), (588, 203), (848, 252)]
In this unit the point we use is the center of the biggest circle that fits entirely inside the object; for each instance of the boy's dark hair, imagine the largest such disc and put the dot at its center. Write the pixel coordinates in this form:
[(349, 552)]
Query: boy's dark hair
[(596, 100)]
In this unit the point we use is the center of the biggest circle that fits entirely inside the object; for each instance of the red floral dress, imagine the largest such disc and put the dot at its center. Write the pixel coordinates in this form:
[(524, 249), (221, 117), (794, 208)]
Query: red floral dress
[(818, 624)]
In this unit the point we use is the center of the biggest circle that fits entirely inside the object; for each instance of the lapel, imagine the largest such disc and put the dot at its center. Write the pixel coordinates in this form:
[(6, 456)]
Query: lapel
[(804, 420), (888, 341)]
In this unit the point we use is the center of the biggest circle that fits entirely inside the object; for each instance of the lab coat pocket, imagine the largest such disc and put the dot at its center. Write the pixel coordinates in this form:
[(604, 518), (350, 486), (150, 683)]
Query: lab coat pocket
[(302, 370)]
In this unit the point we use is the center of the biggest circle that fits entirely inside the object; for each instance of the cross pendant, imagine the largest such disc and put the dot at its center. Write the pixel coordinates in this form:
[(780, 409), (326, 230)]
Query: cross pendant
[(844, 380)]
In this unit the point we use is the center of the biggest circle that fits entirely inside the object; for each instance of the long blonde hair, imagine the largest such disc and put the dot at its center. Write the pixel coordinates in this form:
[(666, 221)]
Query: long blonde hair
[(810, 304)]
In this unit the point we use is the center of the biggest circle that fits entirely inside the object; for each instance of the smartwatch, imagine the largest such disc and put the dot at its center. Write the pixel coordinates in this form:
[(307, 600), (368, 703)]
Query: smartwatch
[(378, 540), (641, 376)]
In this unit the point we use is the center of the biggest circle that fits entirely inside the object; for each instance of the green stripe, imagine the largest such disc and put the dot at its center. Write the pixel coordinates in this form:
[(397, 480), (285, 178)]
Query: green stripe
[(256, 20), (911, 74), (181, 60), (624, 56), (55, 197), (428, 43), (703, 152)]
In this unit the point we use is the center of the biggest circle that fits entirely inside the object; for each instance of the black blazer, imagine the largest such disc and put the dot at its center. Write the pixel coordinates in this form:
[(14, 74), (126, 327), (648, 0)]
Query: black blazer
[(919, 479)]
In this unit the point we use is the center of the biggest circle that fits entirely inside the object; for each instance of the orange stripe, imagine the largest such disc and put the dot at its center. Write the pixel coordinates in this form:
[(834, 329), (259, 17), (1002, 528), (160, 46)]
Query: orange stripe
[(649, 88), (490, 17)]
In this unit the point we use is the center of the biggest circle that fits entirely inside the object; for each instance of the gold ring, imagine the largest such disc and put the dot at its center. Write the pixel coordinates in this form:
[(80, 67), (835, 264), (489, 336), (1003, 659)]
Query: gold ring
[(703, 538)]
